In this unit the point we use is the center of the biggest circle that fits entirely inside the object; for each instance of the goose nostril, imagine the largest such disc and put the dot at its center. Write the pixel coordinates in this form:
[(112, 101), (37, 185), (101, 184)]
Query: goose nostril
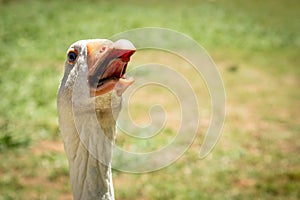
[(102, 49)]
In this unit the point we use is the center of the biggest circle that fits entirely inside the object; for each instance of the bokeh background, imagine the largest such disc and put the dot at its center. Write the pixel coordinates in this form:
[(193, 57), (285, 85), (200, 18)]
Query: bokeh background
[(255, 45)]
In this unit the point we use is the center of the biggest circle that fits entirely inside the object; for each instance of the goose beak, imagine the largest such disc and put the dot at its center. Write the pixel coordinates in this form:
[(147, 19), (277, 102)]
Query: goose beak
[(107, 66)]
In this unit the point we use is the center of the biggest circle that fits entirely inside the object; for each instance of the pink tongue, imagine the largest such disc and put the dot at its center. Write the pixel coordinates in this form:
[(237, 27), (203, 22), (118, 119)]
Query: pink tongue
[(123, 84), (114, 70)]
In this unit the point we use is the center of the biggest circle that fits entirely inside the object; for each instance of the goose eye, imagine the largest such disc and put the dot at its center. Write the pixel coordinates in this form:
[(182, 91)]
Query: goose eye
[(72, 55)]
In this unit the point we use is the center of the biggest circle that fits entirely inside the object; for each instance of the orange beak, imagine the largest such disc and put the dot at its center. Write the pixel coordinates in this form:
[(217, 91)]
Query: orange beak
[(107, 66)]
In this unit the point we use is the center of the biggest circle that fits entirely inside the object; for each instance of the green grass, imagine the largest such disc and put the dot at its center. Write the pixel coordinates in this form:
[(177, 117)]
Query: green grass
[(256, 47)]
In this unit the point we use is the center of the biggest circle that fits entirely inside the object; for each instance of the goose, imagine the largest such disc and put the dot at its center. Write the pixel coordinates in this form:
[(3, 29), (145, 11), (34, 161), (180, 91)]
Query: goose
[(88, 102)]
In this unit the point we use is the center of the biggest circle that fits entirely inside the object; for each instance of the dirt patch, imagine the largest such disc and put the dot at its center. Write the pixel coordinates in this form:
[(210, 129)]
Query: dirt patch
[(47, 146)]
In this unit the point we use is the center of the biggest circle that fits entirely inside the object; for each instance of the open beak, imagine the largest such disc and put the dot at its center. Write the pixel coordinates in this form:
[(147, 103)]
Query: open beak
[(107, 66)]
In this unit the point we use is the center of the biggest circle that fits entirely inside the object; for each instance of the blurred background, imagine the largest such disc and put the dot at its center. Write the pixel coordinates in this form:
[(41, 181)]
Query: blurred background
[(255, 45)]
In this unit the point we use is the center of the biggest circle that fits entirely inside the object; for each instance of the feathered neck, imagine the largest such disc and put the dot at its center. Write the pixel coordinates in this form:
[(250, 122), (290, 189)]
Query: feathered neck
[(88, 131)]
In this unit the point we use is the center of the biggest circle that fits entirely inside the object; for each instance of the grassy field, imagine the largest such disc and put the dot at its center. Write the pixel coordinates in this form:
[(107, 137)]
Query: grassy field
[(255, 45)]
